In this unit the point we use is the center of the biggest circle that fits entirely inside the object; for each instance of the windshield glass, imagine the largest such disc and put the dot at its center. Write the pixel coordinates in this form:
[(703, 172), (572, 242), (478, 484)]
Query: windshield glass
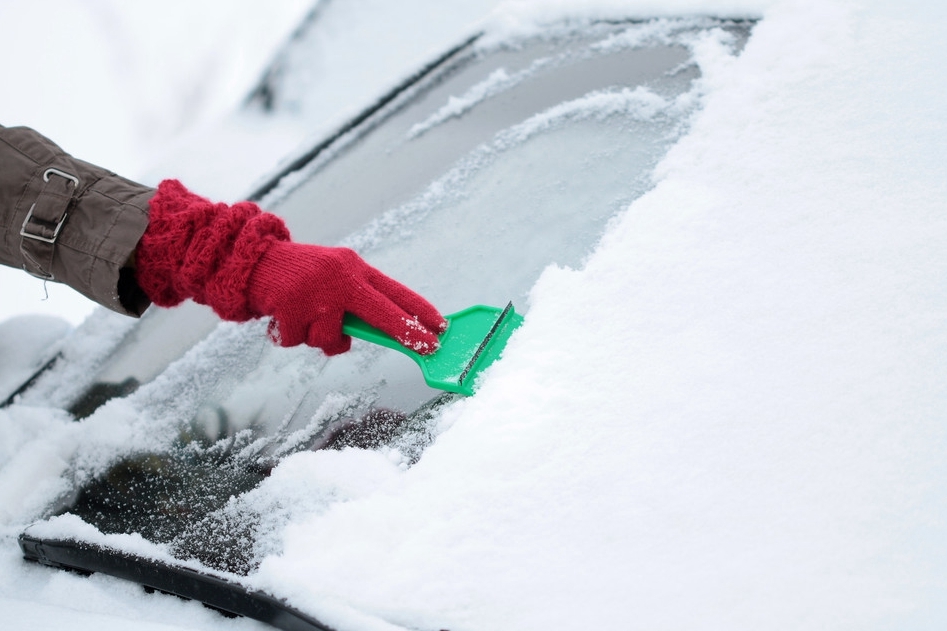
[(506, 159)]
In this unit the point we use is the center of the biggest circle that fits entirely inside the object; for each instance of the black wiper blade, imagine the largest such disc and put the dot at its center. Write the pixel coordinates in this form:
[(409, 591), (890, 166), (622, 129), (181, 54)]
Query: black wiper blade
[(216, 592)]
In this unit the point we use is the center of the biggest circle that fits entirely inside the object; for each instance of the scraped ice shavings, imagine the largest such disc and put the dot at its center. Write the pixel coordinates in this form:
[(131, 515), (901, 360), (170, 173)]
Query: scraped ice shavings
[(666, 32), (495, 83), (638, 104)]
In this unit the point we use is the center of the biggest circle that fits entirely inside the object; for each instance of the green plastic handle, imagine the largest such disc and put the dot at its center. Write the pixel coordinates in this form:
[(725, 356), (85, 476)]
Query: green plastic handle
[(474, 339), (357, 327)]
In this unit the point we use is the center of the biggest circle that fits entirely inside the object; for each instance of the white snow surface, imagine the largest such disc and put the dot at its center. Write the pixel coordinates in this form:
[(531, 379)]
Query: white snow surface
[(730, 417)]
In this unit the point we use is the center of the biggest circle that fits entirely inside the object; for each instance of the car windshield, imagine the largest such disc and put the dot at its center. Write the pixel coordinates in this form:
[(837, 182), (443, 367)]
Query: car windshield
[(505, 158)]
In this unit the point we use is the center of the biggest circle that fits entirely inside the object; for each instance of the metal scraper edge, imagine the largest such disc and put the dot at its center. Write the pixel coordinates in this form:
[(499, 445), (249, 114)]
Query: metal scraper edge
[(484, 343)]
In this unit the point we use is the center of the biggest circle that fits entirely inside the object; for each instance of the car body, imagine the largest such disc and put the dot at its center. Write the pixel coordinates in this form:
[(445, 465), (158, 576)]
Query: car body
[(498, 159)]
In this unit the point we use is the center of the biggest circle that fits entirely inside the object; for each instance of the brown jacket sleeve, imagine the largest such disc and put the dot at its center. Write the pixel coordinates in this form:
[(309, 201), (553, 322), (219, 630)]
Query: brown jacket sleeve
[(69, 221)]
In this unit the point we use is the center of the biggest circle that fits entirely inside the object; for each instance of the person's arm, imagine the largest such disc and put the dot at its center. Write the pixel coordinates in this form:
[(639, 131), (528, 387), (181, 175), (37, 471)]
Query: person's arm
[(242, 262), (65, 220), (124, 245)]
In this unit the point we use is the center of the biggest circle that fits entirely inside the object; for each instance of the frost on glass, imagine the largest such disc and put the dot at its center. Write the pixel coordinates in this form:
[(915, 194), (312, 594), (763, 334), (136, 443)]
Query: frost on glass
[(511, 158)]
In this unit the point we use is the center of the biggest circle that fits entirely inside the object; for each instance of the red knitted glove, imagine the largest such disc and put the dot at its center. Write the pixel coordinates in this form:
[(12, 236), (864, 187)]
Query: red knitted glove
[(308, 288), (240, 261)]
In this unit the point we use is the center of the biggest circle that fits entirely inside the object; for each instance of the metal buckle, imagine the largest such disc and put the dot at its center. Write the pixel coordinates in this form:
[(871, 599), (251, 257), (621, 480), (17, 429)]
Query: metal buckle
[(38, 237), (51, 171)]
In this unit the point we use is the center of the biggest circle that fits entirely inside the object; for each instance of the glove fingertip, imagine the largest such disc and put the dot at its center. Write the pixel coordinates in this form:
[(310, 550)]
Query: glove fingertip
[(337, 349), (420, 340), (330, 347), (285, 336), (431, 318)]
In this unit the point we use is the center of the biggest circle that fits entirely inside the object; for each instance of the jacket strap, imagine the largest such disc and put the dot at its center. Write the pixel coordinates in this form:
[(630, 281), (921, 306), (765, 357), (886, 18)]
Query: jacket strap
[(44, 221)]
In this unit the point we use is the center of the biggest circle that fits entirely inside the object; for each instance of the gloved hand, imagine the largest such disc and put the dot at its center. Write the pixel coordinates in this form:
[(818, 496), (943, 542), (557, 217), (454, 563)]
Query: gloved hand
[(309, 288), (241, 262)]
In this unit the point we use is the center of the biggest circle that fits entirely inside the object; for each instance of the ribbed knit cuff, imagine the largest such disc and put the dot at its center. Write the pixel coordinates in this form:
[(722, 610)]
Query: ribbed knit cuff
[(194, 248)]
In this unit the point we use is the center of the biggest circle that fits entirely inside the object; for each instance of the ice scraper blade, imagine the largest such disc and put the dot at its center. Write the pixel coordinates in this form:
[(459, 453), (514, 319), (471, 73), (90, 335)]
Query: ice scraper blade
[(474, 339)]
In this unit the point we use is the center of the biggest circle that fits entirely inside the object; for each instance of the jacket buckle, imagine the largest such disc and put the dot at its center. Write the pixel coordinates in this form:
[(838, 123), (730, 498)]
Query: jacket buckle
[(44, 235), (39, 237)]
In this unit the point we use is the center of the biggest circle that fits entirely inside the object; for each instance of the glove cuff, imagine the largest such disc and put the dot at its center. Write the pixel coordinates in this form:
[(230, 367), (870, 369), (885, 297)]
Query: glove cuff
[(194, 248)]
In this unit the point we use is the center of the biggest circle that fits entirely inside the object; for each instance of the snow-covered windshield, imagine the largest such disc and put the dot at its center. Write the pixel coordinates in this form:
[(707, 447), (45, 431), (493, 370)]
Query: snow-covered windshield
[(508, 158)]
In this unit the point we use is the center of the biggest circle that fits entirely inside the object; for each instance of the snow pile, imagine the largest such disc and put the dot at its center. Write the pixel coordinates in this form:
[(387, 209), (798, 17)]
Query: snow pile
[(732, 416)]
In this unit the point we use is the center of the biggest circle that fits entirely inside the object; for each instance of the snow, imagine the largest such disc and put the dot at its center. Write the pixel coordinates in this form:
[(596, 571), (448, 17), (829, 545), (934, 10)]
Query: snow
[(730, 417)]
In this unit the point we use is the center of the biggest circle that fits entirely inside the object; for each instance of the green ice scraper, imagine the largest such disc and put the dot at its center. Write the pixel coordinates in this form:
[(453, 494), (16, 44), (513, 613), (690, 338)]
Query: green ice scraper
[(474, 338)]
